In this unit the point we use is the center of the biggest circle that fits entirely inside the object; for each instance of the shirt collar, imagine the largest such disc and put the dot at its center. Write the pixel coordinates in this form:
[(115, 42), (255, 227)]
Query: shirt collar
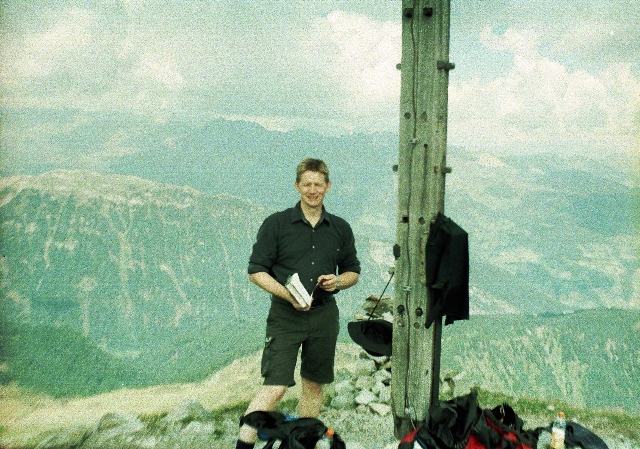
[(296, 214)]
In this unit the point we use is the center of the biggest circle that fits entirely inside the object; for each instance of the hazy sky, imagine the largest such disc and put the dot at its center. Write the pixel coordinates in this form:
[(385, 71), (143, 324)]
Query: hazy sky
[(530, 75)]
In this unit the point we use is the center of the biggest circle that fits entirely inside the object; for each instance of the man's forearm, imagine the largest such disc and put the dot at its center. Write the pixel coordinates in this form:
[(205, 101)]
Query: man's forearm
[(268, 283), (346, 280)]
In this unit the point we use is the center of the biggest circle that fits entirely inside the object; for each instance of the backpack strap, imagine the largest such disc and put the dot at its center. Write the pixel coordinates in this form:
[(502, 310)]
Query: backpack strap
[(511, 436)]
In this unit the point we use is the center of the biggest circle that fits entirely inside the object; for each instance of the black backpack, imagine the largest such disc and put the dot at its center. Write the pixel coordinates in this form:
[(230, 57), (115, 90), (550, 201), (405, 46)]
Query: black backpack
[(301, 433), (578, 436)]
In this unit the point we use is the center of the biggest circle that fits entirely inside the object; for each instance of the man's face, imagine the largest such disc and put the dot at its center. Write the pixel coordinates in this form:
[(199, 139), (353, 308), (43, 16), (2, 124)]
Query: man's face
[(312, 188)]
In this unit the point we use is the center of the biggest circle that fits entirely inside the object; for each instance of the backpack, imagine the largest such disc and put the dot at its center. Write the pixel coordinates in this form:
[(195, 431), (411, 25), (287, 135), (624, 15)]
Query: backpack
[(449, 424), (300, 433), (460, 423), (501, 428), (576, 436)]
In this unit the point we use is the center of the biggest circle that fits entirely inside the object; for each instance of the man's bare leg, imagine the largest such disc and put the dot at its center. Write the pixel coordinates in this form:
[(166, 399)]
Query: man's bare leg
[(310, 399), (267, 398)]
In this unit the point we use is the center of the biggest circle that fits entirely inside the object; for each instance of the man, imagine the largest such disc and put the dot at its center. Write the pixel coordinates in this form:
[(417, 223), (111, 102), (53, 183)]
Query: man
[(320, 247)]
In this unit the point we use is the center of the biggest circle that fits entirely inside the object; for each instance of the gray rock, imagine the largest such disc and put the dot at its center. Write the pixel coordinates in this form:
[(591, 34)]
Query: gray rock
[(197, 427), (346, 386), (344, 401), (377, 387), (382, 375), (365, 397), (365, 383), (380, 360), (365, 367), (118, 421), (115, 431), (186, 412), (384, 395), (66, 439), (380, 409)]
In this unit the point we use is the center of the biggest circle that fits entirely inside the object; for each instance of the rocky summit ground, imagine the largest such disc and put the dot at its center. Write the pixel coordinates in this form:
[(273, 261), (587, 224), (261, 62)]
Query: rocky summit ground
[(190, 426), (206, 414)]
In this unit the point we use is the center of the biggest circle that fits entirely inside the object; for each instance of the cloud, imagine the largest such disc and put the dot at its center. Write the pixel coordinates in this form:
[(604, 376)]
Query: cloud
[(355, 58), (56, 49), (533, 84), (539, 103), (158, 68), (367, 54)]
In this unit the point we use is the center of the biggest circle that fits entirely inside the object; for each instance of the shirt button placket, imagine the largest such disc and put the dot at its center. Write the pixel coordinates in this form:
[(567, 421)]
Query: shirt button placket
[(313, 255)]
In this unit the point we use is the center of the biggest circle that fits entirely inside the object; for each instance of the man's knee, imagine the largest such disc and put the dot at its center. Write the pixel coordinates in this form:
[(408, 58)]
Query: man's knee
[(310, 399), (276, 392), (268, 397), (311, 386)]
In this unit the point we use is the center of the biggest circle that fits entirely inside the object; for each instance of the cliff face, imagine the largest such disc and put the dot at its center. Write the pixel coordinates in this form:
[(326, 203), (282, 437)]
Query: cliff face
[(92, 252), (133, 266)]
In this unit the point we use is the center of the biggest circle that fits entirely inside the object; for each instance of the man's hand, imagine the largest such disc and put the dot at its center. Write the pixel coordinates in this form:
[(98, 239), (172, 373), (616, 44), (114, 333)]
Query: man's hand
[(296, 305), (328, 282), (332, 283)]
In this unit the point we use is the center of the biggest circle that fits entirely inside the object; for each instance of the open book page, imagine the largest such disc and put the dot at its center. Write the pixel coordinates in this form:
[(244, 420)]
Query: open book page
[(294, 285)]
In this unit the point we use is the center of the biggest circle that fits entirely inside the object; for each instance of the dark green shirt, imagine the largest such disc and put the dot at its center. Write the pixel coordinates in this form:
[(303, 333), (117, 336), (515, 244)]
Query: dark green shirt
[(288, 244)]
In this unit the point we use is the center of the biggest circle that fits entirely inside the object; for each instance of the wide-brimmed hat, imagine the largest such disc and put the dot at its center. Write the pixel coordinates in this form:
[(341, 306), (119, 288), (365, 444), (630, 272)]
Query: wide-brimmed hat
[(373, 335)]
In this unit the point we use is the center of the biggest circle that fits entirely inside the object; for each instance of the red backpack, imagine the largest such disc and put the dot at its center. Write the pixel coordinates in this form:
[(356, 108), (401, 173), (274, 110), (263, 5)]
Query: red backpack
[(461, 424)]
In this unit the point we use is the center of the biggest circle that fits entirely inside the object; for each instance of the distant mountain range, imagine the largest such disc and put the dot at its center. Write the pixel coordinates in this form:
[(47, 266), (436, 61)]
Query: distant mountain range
[(112, 280), (548, 233), (129, 266), (589, 358)]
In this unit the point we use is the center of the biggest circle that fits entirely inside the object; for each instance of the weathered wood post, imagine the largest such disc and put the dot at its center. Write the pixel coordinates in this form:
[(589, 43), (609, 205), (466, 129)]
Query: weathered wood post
[(421, 172)]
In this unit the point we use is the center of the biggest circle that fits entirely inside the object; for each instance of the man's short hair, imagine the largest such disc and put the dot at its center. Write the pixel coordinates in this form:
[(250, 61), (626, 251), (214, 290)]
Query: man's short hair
[(310, 164)]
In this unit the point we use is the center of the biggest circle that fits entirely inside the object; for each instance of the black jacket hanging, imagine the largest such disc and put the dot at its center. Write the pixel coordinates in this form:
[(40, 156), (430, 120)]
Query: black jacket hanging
[(447, 270)]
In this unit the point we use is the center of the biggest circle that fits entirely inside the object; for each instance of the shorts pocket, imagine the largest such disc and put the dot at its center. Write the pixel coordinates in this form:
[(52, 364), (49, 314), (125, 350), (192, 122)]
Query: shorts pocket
[(266, 356)]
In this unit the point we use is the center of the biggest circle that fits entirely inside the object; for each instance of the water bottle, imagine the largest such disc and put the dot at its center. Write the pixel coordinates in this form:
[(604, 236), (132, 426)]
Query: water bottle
[(558, 430), (326, 440)]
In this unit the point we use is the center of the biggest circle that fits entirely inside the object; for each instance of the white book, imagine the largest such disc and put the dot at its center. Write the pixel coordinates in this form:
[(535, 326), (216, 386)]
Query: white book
[(297, 290)]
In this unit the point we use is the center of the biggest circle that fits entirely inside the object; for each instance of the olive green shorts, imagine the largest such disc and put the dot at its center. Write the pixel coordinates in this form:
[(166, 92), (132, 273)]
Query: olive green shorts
[(288, 330)]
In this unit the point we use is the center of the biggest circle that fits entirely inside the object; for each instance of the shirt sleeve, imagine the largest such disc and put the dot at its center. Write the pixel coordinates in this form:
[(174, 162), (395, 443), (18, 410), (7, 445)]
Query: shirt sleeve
[(265, 248), (349, 260)]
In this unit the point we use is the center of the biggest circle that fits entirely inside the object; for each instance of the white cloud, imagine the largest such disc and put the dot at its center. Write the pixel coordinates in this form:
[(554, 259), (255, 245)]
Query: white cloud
[(332, 71), (342, 74), (57, 49), (367, 54), (540, 103), (159, 68)]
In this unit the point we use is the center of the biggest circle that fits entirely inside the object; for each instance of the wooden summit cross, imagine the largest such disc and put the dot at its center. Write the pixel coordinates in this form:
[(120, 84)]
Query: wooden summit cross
[(421, 172)]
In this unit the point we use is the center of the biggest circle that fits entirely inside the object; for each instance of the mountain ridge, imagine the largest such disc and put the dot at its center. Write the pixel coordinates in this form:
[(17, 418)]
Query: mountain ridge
[(121, 274), (548, 231), (150, 273)]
